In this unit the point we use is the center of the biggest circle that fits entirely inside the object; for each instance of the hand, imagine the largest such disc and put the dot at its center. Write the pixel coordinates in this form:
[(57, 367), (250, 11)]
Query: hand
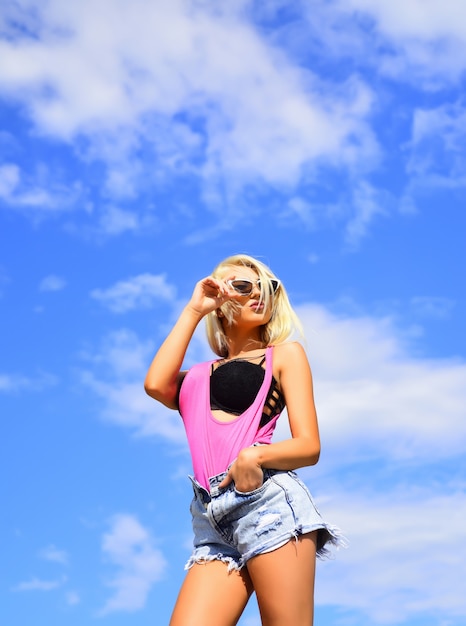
[(245, 472), (209, 294)]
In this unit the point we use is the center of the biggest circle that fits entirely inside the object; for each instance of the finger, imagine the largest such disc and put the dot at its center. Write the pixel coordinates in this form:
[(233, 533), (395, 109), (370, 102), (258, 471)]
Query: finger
[(226, 481), (218, 287)]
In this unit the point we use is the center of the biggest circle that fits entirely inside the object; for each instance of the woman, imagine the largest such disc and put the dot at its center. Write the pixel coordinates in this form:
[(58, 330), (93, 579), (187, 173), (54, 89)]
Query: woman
[(256, 527)]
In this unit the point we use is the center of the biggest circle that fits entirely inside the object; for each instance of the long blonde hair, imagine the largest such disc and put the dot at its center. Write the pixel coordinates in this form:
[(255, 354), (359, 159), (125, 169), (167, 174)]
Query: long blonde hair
[(283, 323)]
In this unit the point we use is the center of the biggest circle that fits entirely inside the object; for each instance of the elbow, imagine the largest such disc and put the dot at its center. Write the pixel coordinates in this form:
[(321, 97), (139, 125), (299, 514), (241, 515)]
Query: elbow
[(313, 453), (164, 394), (152, 389), (148, 389)]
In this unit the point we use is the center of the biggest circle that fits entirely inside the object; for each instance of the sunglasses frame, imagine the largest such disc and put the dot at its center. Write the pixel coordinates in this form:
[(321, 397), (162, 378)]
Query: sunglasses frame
[(252, 283)]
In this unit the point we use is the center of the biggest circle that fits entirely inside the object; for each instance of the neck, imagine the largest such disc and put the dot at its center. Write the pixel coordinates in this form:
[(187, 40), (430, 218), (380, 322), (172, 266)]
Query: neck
[(240, 345)]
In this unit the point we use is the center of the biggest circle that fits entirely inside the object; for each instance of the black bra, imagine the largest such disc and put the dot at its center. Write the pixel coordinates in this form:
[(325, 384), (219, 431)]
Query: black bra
[(235, 384)]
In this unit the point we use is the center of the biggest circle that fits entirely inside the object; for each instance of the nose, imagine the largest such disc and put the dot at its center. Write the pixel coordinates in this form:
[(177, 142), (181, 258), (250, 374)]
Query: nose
[(255, 290)]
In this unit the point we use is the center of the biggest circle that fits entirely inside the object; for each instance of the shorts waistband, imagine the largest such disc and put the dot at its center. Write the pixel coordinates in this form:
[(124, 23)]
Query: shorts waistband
[(214, 482)]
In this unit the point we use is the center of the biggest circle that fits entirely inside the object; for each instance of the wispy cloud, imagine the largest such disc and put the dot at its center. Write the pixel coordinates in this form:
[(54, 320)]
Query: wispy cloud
[(115, 221), (39, 584), (397, 537), (238, 111), (377, 399), (428, 39), (12, 383), (138, 292), (72, 598), (436, 155), (39, 193), (262, 118), (9, 179), (430, 306), (52, 553), (52, 282), (116, 376), (129, 547), (368, 202), (417, 41)]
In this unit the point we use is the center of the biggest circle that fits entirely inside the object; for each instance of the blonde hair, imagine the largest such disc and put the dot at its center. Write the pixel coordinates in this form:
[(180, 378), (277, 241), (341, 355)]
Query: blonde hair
[(283, 323)]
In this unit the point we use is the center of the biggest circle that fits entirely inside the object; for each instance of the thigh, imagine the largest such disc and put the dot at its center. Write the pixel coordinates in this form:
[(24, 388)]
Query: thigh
[(212, 596), (284, 582)]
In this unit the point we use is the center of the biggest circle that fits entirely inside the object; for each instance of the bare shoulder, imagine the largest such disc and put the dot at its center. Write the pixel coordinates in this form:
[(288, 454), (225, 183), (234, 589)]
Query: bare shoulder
[(289, 349), (289, 354)]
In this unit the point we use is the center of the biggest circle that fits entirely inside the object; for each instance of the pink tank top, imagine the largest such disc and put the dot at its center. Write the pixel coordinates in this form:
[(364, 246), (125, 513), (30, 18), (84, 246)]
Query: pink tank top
[(214, 444)]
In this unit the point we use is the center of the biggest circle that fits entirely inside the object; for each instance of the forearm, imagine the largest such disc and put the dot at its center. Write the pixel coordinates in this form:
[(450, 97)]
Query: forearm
[(162, 376), (289, 454)]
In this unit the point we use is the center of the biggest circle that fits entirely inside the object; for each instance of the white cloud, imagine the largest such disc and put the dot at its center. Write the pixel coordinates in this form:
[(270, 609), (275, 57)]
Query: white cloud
[(262, 117), (397, 539), (114, 221), (368, 202), (436, 150), (37, 193), (127, 405), (51, 553), (72, 598), (119, 367), (38, 584), (422, 42), (376, 399), (423, 19), (9, 179), (120, 353), (12, 383), (138, 292), (52, 282), (416, 40), (430, 306), (130, 548), (303, 209)]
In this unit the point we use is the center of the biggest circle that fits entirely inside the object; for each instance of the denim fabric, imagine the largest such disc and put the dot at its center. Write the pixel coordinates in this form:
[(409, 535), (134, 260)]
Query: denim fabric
[(233, 527)]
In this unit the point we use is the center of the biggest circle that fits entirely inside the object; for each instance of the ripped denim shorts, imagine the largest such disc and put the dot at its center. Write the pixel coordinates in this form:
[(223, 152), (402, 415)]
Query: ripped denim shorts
[(232, 526)]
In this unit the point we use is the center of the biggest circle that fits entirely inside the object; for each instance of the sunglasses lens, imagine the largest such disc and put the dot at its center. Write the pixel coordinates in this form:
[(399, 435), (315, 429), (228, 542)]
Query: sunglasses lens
[(274, 284), (242, 286)]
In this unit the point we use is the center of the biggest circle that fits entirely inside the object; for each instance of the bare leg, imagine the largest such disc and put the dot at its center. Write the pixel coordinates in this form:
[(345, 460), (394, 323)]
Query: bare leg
[(212, 596), (284, 582)]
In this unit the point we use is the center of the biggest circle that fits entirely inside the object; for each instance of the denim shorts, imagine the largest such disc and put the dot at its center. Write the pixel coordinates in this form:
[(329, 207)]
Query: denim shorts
[(232, 526)]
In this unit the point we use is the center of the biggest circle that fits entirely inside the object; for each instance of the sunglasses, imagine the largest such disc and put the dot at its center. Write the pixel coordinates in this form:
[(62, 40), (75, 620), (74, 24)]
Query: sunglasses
[(244, 286)]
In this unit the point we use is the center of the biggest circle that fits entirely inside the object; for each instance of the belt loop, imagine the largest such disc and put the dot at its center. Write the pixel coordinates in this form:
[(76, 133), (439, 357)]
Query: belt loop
[(199, 491)]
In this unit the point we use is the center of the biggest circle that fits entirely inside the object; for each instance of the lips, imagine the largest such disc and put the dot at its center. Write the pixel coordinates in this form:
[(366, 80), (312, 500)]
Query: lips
[(256, 306)]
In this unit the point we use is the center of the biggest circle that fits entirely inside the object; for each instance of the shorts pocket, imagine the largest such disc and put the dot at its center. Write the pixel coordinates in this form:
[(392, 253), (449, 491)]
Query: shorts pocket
[(304, 488), (254, 492)]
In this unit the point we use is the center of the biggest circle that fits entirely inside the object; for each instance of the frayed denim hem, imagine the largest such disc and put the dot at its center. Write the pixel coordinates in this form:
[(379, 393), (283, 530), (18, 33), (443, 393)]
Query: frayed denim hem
[(233, 566), (327, 535)]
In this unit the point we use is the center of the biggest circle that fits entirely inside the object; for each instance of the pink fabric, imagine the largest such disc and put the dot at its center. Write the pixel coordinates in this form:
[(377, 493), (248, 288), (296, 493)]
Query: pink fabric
[(214, 444)]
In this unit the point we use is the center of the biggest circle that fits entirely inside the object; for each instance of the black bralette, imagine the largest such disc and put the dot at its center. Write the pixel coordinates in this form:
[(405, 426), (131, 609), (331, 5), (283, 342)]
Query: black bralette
[(235, 384)]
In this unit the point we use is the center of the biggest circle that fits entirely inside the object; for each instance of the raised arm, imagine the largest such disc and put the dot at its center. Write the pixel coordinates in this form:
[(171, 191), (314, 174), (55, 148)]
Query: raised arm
[(164, 374)]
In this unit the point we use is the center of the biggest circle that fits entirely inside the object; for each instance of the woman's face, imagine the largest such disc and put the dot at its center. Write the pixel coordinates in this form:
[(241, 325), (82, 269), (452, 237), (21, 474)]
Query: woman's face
[(251, 310)]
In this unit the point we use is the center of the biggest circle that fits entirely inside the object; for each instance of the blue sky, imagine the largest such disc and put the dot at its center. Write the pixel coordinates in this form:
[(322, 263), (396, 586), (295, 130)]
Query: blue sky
[(141, 143)]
